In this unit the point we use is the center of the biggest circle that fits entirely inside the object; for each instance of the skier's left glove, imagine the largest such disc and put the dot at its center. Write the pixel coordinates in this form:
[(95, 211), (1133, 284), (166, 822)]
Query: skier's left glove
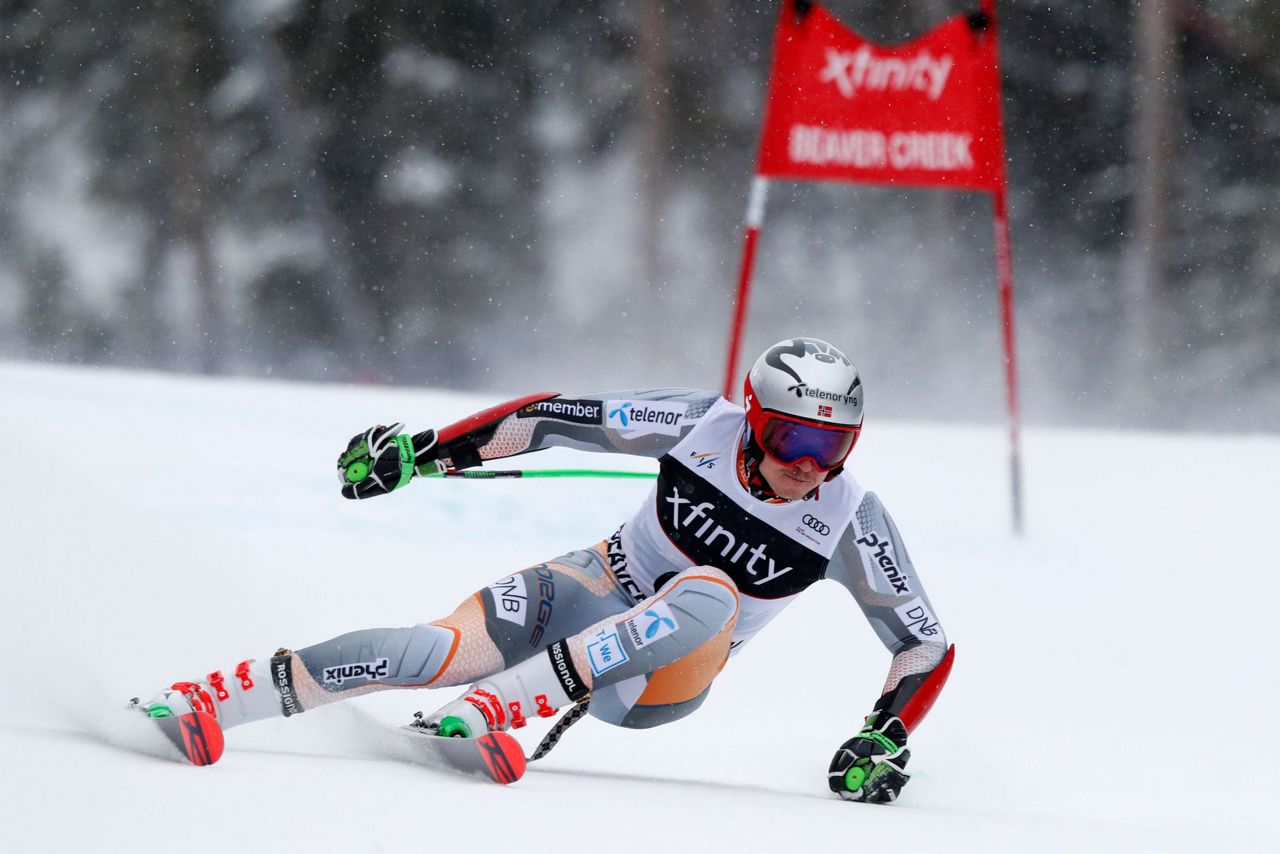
[(382, 459), (870, 766)]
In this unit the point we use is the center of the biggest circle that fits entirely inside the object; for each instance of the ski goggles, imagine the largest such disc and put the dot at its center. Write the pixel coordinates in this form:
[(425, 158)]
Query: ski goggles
[(789, 441)]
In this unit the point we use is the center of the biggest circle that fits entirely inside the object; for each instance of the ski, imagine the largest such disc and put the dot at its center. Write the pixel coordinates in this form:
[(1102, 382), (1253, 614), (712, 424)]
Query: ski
[(197, 735), (194, 738), (495, 756)]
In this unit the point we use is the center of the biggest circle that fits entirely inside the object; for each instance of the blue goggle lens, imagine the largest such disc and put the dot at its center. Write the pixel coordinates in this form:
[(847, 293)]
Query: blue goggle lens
[(789, 441)]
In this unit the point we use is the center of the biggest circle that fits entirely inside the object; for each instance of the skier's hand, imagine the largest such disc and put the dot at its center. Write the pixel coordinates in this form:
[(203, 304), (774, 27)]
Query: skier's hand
[(382, 459), (870, 766)]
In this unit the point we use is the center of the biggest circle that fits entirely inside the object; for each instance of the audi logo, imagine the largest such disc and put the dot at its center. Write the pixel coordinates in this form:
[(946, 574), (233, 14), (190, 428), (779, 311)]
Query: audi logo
[(816, 525)]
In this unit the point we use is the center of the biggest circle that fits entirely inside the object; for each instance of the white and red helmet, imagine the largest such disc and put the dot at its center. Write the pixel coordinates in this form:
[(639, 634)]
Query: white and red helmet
[(804, 401)]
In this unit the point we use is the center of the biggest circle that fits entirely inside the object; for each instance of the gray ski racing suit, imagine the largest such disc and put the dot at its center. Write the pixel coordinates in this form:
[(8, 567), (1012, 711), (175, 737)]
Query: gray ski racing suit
[(649, 615)]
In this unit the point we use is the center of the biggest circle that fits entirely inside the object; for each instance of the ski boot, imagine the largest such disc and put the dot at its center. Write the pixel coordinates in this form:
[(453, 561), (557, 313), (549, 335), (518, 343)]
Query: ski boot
[(506, 700), (249, 695), (187, 717), (477, 712)]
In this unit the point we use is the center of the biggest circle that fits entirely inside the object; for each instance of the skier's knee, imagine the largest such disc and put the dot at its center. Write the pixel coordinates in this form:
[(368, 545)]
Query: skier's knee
[(705, 601)]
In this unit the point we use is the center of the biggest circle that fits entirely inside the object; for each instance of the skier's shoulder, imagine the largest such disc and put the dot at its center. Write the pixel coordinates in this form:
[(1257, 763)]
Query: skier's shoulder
[(693, 399), (869, 511), (873, 528)]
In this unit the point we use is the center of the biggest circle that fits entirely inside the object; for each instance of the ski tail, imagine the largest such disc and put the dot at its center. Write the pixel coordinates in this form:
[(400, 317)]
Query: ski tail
[(502, 757), (196, 734)]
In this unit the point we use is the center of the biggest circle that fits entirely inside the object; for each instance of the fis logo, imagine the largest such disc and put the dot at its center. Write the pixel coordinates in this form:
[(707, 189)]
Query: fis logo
[(361, 670), (707, 460)]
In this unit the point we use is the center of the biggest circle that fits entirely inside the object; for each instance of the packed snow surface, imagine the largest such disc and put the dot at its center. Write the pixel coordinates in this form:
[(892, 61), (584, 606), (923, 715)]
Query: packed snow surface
[(1114, 688)]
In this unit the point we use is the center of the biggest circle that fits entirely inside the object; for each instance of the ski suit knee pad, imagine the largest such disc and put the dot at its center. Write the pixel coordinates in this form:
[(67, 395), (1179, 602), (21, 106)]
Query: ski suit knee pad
[(693, 608), (677, 640)]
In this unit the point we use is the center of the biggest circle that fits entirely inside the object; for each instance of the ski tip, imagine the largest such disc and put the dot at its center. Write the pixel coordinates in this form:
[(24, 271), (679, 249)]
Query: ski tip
[(503, 757), (197, 735)]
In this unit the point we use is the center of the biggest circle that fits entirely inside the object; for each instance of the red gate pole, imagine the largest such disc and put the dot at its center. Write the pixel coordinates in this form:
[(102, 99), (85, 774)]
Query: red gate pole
[(754, 219), (1004, 275)]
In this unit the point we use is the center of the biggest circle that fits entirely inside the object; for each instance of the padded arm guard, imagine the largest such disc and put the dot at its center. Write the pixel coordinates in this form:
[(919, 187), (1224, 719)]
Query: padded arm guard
[(461, 441), (913, 696)]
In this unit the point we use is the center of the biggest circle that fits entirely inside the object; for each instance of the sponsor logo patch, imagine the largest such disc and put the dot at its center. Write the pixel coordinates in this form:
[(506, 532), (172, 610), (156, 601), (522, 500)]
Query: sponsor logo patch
[(282, 675), (712, 531), (919, 620), (643, 417), (605, 651), (561, 409), (653, 625), (865, 70), (618, 564), (878, 552), (813, 523), (802, 390), (565, 672), (813, 529), (510, 599), (360, 670), (546, 604)]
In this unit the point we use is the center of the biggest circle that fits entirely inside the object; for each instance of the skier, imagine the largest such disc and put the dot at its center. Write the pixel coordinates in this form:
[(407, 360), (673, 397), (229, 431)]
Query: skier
[(750, 508)]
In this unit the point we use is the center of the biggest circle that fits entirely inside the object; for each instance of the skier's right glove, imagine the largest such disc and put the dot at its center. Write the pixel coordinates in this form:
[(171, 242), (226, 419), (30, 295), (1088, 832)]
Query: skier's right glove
[(382, 459), (870, 767)]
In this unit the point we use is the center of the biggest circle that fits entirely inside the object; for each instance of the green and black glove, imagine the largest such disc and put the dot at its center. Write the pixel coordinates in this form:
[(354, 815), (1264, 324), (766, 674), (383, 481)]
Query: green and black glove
[(382, 459), (870, 766)]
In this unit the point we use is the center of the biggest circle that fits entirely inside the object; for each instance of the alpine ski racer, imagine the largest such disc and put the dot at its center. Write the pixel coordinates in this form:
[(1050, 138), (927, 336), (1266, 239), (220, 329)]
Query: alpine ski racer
[(752, 505)]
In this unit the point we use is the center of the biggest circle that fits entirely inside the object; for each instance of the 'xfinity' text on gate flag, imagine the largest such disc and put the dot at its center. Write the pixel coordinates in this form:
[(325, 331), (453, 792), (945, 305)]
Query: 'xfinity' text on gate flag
[(925, 113)]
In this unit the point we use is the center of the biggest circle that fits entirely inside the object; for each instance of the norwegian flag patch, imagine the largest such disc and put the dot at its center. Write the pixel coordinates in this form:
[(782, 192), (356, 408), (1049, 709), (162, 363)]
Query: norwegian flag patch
[(824, 411)]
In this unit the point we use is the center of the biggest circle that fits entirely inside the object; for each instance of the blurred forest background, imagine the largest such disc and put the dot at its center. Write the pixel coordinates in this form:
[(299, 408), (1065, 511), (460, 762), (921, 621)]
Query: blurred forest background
[(507, 196)]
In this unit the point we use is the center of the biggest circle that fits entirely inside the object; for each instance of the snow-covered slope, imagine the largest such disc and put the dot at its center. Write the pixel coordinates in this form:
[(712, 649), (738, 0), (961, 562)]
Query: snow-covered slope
[(1114, 688)]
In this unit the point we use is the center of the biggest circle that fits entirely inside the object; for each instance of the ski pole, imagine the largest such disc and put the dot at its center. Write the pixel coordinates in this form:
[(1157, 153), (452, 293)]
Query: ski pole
[(486, 474)]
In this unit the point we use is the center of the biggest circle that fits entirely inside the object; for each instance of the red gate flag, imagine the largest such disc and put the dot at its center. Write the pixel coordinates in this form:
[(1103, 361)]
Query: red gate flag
[(925, 113)]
